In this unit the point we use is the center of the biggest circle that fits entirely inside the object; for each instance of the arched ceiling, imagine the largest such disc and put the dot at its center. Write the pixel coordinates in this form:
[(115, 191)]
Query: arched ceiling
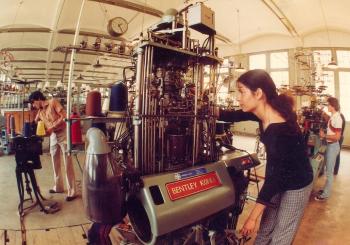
[(31, 30)]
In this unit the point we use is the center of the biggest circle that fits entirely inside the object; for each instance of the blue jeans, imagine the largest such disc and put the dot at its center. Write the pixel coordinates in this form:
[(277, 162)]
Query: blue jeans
[(332, 152)]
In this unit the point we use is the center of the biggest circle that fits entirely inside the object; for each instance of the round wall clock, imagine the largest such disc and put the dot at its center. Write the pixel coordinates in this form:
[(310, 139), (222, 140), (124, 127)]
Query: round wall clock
[(117, 26)]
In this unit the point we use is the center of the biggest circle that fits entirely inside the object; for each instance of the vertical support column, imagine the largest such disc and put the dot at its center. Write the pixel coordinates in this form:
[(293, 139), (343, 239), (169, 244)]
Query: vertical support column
[(70, 79), (185, 31), (196, 76), (138, 101)]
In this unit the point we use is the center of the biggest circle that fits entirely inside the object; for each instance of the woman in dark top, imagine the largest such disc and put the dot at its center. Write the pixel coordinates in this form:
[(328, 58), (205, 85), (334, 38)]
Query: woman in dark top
[(288, 171)]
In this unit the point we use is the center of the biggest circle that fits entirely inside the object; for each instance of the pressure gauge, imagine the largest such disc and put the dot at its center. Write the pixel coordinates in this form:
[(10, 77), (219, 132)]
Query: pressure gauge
[(117, 26)]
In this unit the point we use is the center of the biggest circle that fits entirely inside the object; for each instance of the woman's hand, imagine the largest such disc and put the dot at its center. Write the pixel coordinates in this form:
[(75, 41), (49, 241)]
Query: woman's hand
[(248, 227)]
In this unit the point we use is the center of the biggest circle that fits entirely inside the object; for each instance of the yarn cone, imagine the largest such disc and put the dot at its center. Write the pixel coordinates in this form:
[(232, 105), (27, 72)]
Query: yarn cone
[(76, 130), (93, 104), (40, 129), (27, 129)]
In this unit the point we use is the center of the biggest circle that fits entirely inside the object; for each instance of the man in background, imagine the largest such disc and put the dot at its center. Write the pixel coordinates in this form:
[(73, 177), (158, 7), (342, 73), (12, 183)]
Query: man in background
[(332, 137), (52, 113), (337, 162)]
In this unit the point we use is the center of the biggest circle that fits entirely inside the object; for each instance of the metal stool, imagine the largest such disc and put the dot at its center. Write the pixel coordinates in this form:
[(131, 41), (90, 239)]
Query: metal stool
[(27, 155)]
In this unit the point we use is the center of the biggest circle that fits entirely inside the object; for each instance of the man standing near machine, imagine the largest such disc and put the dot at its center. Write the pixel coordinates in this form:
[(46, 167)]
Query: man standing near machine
[(337, 162), (332, 136), (52, 113)]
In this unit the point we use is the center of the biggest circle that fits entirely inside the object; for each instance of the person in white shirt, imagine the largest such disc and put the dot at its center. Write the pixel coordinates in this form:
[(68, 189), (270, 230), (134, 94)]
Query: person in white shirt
[(332, 136)]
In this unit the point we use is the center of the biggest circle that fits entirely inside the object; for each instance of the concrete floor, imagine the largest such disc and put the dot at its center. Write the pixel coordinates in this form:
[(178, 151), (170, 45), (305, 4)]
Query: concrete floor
[(324, 223)]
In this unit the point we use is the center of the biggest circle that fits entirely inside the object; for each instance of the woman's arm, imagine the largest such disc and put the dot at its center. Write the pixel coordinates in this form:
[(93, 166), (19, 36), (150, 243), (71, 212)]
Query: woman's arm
[(250, 223), (237, 116)]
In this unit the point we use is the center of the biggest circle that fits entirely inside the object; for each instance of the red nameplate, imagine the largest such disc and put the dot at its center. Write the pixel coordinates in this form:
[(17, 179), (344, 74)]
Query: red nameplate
[(183, 188)]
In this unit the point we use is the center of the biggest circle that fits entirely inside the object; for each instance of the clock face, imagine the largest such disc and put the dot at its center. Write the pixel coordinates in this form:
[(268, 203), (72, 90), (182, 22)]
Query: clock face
[(117, 26)]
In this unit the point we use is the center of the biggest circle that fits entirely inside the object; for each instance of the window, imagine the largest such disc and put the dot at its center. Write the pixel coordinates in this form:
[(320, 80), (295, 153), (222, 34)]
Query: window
[(322, 57), (279, 60), (280, 78), (344, 98), (343, 58), (257, 61), (2, 77), (328, 79)]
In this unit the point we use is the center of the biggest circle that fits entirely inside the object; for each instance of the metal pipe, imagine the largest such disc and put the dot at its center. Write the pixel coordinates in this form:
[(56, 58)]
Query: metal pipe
[(161, 135), (154, 135), (153, 112), (195, 143), (145, 152), (70, 78), (145, 112), (148, 146), (64, 64), (185, 31), (138, 94)]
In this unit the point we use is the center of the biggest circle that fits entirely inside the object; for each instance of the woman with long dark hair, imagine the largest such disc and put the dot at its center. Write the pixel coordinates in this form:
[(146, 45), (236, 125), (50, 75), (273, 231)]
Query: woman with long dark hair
[(288, 174)]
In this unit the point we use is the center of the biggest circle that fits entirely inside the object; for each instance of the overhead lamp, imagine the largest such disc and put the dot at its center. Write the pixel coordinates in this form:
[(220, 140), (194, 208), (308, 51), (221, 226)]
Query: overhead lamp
[(97, 64), (332, 64), (80, 77), (59, 84), (240, 68)]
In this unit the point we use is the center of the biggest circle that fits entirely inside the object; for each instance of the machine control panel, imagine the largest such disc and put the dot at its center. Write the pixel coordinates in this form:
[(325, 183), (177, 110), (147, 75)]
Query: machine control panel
[(243, 163)]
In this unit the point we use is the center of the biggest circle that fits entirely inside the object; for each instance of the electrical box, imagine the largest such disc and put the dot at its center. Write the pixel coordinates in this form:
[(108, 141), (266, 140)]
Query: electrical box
[(201, 18)]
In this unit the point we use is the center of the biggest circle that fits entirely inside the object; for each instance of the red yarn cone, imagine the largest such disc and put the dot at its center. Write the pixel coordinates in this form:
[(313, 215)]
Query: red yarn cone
[(93, 104), (8, 128), (76, 130)]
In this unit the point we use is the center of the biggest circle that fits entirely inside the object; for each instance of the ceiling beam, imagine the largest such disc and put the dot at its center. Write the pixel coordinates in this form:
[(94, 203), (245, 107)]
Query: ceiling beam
[(53, 34), (271, 4), (28, 61), (143, 8), (32, 74), (67, 69), (68, 62), (31, 68), (112, 66), (25, 29), (25, 49), (103, 72), (223, 38), (81, 52), (90, 34)]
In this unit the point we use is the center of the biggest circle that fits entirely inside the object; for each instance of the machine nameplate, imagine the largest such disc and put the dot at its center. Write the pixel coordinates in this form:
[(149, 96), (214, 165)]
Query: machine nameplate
[(183, 188), (190, 173)]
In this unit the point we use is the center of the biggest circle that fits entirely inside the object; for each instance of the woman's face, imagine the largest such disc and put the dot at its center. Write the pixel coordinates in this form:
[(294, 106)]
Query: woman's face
[(246, 98)]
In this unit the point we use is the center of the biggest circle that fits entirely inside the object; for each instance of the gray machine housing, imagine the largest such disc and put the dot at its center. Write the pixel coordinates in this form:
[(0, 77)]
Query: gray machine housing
[(167, 216)]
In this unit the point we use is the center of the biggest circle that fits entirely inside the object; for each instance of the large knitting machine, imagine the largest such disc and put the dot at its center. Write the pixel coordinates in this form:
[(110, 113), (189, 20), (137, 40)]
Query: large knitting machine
[(183, 184)]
